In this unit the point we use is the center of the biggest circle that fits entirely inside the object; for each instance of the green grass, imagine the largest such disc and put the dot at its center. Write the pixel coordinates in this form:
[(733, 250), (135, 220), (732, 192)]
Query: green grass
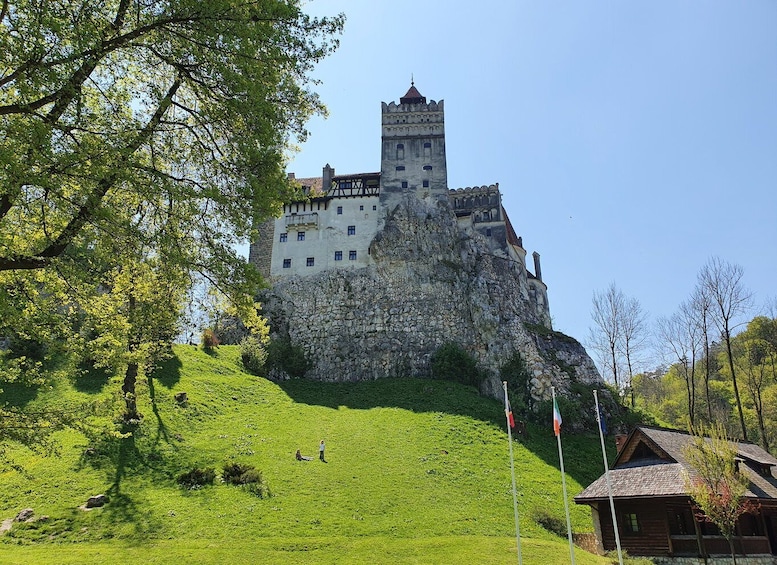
[(418, 472)]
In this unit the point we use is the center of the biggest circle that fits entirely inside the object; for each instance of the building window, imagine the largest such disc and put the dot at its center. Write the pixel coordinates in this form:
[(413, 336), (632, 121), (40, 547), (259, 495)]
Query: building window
[(310, 262), (404, 184), (361, 208), (338, 255), (488, 232), (339, 210), (401, 168), (352, 255), (630, 524), (300, 236), (426, 184), (427, 145), (287, 263), (284, 236), (427, 167), (374, 207), (351, 230), (400, 151)]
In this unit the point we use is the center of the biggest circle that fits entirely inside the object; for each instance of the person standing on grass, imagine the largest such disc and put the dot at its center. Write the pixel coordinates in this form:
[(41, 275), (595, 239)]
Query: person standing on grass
[(321, 451)]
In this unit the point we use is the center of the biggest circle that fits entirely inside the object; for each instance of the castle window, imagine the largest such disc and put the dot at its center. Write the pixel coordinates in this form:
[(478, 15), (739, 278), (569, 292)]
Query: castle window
[(284, 236), (361, 208), (352, 255), (351, 230), (486, 216), (400, 151), (300, 236), (426, 184), (427, 145), (401, 168), (488, 232), (374, 207), (287, 263), (427, 149), (339, 210), (338, 255), (404, 184), (427, 167), (310, 262)]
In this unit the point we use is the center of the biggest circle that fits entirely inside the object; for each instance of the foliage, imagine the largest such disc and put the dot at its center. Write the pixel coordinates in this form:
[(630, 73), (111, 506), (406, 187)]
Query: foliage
[(253, 355), (551, 522), (209, 340), (451, 362), (516, 374), (139, 141), (283, 356), (715, 482), (197, 478)]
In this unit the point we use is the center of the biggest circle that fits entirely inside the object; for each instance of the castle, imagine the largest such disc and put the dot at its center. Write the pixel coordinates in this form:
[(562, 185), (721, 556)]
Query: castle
[(371, 272)]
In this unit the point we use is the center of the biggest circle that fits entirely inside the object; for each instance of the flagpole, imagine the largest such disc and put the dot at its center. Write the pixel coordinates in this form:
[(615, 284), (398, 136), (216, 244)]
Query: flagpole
[(512, 474), (607, 478), (564, 484)]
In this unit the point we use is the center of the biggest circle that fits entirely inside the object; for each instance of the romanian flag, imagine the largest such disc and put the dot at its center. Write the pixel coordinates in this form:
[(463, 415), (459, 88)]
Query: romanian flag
[(509, 413), (556, 418)]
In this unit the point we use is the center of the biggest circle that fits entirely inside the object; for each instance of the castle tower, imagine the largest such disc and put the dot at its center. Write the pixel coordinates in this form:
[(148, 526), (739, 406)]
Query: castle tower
[(413, 149)]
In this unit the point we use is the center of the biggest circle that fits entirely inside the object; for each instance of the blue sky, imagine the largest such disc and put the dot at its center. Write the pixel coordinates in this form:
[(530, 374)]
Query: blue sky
[(632, 141)]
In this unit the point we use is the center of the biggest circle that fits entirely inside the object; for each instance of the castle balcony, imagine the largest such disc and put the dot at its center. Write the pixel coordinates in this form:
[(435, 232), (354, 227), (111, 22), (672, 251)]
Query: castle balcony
[(298, 221)]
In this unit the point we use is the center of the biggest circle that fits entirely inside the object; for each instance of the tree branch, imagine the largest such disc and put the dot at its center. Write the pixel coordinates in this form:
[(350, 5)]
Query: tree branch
[(93, 200)]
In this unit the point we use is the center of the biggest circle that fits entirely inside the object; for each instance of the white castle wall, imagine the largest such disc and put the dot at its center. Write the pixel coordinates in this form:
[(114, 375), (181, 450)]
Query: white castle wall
[(326, 232)]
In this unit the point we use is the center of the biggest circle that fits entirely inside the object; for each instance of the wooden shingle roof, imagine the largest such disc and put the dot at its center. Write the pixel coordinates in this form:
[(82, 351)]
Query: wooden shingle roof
[(651, 463)]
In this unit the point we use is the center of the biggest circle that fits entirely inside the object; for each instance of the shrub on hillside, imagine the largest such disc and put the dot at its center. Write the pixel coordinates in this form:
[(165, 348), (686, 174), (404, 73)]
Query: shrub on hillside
[(451, 362), (209, 340), (253, 354), (246, 476), (284, 356), (553, 524), (197, 478), (518, 378)]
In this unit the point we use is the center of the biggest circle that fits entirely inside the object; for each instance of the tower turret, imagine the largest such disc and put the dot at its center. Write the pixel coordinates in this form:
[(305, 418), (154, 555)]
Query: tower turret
[(413, 149)]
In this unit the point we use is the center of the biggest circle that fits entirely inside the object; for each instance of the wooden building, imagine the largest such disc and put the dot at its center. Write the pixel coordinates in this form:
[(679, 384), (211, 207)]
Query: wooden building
[(653, 509)]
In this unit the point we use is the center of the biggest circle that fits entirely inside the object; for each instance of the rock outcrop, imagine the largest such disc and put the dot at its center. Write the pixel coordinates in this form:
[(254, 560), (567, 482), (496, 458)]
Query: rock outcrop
[(431, 282)]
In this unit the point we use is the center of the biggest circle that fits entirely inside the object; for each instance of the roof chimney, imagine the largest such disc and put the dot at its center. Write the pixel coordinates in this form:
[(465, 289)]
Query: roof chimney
[(327, 176)]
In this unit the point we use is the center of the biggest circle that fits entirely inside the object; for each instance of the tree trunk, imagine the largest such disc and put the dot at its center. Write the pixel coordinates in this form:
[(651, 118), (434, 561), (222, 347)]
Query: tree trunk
[(727, 336)]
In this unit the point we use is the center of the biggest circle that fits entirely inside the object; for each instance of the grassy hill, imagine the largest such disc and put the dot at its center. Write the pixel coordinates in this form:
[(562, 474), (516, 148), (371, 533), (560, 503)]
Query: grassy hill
[(418, 472)]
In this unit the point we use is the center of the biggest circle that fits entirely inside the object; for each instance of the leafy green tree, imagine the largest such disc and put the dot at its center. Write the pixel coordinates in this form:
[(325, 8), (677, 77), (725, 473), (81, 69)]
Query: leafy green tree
[(139, 141), (450, 361), (716, 485)]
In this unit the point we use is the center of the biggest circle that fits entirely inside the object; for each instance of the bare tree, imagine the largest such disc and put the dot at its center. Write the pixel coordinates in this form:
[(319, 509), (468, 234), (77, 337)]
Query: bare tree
[(722, 281), (701, 305), (618, 335), (633, 338), (680, 336), (605, 336)]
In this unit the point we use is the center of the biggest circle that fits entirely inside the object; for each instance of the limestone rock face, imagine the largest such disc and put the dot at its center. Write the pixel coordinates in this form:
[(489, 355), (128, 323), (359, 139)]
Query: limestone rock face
[(431, 282)]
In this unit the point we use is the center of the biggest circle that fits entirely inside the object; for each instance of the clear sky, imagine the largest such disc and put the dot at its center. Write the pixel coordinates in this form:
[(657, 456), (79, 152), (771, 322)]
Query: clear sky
[(631, 140)]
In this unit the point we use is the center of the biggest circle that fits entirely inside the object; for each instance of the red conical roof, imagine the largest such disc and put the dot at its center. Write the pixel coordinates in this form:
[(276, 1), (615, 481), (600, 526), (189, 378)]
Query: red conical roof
[(412, 96)]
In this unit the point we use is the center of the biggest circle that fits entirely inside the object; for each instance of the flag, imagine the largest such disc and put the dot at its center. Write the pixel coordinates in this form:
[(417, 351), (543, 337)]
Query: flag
[(556, 418), (509, 413), (602, 422)]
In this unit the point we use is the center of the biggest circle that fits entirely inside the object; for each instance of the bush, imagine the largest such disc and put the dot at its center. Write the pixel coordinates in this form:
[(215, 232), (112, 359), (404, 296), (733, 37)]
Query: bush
[(197, 478), (239, 474), (246, 476), (209, 341), (553, 524), (253, 354), (284, 356), (516, 373), (451, 362)]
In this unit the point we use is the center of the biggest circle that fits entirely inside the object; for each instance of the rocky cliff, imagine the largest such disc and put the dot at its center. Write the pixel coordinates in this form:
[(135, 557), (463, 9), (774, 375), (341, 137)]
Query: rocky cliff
[(431, 282)]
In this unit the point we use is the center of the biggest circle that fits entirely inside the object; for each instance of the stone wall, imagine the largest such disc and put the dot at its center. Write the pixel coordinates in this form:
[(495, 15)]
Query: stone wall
[(430, 283)]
